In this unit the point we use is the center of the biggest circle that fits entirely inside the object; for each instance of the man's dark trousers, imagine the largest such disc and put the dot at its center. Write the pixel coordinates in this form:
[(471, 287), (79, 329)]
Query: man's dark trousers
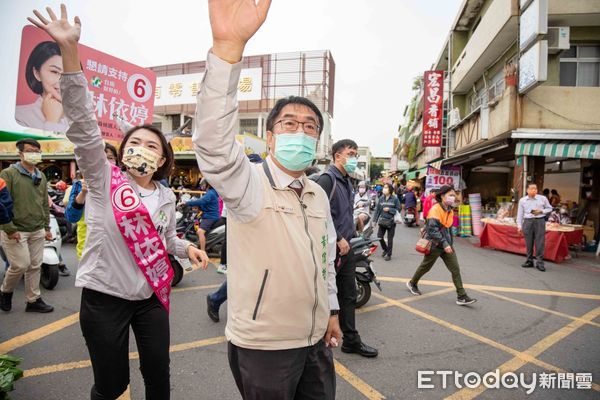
[(346, 284), (305, 373), (534, 230)]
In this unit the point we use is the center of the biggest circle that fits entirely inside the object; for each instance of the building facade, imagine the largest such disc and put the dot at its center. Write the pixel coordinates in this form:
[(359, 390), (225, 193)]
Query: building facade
[(502, 135)]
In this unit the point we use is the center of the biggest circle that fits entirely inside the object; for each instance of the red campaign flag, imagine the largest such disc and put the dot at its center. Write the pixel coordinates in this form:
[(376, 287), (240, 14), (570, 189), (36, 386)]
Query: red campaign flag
[(433, 108), (118, 88)]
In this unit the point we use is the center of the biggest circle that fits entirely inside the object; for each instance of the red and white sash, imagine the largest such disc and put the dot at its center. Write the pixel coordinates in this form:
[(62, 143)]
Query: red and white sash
[(140, 235)]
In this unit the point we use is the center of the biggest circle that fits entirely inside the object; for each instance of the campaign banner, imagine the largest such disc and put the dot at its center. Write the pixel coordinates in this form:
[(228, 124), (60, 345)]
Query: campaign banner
[(433, 108), (118, 88), (436, 178)]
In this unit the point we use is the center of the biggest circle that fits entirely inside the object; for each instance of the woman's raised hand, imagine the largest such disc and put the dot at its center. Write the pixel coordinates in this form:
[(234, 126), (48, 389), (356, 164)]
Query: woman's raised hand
[(60, 30), (233, 23)]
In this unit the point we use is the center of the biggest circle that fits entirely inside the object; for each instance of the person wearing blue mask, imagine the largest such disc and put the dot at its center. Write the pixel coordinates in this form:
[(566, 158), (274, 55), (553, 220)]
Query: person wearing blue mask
[(282, 298), (336, 183)]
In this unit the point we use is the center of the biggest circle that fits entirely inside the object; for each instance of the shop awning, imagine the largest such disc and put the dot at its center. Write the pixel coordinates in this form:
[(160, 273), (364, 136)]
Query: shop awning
[(413, 174), (560, 149)]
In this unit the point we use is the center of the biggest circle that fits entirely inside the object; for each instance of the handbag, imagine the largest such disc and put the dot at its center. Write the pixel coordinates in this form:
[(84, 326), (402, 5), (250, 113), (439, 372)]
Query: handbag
[(386, 223), (423, 245)]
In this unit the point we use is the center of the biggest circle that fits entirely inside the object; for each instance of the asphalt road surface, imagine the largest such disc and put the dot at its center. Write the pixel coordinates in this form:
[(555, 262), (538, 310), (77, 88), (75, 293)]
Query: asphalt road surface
[(542, 327)]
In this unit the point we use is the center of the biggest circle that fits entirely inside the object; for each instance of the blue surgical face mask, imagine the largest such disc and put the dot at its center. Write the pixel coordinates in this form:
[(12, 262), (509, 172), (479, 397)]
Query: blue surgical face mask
[(350, 165), (295, 151)]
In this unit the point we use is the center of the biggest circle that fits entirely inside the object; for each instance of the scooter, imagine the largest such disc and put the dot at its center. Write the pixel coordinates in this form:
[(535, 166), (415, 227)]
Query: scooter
[(51, 259), (409, 216), (362, 248)]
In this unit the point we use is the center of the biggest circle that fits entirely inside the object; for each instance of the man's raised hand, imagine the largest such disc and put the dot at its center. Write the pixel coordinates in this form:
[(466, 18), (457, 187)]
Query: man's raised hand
[(233, 23)]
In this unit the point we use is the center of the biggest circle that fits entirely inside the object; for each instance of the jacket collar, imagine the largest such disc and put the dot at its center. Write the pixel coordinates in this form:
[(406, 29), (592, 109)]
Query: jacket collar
[(268, 165), (36, 173)]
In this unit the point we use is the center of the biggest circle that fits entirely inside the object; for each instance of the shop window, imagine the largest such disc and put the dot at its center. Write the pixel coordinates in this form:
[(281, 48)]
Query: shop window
[(249, 126), (580, 66)]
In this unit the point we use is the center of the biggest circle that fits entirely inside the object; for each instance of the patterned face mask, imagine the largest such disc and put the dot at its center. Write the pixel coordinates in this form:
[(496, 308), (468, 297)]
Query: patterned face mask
[(140, 161)]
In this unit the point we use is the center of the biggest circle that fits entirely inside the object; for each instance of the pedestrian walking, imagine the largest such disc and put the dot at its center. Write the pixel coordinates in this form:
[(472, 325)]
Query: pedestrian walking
[(124, 271), (23, 237), (385, 211), (437, 230), (338, 187), (282, 305), (531, 223)]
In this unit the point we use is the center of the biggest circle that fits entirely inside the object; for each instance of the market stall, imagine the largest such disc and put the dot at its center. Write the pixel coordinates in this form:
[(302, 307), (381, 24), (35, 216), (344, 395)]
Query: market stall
[(504, 236)]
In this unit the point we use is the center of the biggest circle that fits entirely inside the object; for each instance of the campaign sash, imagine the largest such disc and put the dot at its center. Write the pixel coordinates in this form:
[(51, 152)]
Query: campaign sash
[(140, 235)]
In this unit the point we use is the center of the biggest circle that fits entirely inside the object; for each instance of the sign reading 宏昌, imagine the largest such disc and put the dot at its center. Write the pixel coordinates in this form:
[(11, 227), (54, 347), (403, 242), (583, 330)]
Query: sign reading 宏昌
[(118, 88), (182, 89), (436, 178), (433, 108)]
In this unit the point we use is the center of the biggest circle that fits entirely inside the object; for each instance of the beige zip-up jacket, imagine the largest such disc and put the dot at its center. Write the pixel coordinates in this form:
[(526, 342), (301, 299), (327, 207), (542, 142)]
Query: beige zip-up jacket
[(281, 247)]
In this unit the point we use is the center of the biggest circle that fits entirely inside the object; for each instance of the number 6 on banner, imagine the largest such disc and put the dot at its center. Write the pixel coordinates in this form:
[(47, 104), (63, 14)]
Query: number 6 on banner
[(139, 88), (124, 199)]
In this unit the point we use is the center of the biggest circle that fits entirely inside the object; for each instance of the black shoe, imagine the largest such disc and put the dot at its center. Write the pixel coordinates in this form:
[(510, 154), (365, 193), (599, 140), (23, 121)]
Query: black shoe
[(362, 349), (527, 264), (384, 254), (465, 300), (63, 270), (212, 310), (39, 306), (540, 267), (5, 301), (414, 289), (387, 257)]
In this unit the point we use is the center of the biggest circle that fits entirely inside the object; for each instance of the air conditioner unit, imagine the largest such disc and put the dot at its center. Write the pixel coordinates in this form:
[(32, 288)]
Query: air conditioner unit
[(454, 117), (558, 39)]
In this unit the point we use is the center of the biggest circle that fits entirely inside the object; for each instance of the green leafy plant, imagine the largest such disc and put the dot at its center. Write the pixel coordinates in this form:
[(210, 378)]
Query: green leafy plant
[(9, 373)]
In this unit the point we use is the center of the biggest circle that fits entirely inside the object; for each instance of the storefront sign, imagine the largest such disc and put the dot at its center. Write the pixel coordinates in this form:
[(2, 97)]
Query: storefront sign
[(182, 89), (437, 178), (117, 88), (433, 108)]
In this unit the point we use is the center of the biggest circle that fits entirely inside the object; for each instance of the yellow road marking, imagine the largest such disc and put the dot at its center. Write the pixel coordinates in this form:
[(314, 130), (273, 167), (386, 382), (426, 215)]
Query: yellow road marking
[(498, 288), (126, 395), (524, 356), (134, 355), (46, 330), (535, 307), (534, 351), (187, 289), (360, 385), (39, 333), (403, 300)]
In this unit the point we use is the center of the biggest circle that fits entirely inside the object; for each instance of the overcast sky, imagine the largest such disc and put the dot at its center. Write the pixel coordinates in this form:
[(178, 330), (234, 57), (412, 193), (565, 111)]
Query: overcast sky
[(379, 46)]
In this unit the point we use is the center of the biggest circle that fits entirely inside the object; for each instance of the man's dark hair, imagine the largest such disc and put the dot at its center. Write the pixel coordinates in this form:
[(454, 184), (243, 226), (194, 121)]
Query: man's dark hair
[(531, 184), (302, 101), (342, 145), (39, 55), (546, 192), (553, 191), (32, 142), (164, 171), (112, 149)]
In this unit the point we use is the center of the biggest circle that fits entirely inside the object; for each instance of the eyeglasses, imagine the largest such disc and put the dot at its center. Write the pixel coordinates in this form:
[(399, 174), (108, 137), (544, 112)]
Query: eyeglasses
[(291, 125)]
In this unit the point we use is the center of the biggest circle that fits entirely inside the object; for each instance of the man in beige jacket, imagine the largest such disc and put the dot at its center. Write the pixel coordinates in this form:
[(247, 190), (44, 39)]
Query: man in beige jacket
[(282, 306)]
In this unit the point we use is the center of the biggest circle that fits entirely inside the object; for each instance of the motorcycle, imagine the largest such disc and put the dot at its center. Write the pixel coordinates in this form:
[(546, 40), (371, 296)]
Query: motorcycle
[(50, 260), (409, 216), (362, 248)]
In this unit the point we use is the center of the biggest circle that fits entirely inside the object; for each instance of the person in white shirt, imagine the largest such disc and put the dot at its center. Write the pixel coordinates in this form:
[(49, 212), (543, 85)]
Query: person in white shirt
[(531, 222)]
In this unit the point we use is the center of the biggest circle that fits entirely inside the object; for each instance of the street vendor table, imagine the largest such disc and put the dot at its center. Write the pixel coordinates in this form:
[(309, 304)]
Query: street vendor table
[(507, 238)]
